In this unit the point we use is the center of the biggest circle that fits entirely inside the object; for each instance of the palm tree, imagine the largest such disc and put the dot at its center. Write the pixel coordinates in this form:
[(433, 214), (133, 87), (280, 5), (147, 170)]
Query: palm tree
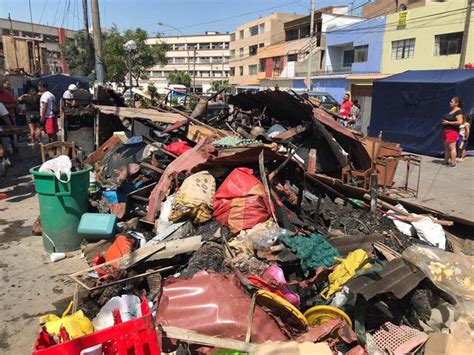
[(179, 78)]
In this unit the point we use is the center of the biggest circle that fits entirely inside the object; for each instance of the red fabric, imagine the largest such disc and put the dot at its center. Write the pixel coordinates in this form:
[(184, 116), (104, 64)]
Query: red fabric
[(8, 99), (51, 125), (241, 202), (450, 136), (346, 108), (178, 148)]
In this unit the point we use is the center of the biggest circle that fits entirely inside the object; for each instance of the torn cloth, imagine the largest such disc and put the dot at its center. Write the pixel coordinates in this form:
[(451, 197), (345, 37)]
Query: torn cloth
[(184, 163)]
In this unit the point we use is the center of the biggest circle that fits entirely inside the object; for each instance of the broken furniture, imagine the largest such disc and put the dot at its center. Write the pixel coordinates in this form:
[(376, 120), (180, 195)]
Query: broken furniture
[(56, 149)]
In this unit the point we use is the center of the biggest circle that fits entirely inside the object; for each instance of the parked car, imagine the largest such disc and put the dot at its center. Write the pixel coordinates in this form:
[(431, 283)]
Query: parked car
[(327, 101)]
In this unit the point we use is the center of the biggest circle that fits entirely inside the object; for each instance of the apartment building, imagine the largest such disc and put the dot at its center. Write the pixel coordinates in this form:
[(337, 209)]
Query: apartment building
[(286, 64), (32, 48), (248, 40), (205, 57), (428, 37)]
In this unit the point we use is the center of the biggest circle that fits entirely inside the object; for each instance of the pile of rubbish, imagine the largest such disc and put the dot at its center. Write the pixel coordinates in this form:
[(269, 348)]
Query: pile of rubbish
[(225, 242)]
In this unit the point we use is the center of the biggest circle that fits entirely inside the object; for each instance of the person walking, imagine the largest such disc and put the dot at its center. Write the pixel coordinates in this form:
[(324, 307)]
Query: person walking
[(31, 101), (47, 105), (451, 124)]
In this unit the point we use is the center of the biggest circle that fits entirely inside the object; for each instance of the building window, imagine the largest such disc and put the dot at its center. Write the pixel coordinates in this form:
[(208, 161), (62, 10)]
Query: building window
[(253, 30), (262, 65), (232, 37), (348, 58), (253, 50), (241, 70), (261, 28), (179, 60), (241, 34), (192, 46), (205, 74), (226, 45), (261, 45), (403, 49), (204, 60), (241, 52), (292, 57), (232, 53), (232, 71), (216, 59), (180, 47), (204, 46), (253, 69), (361, 53), (449, 43), (218, 45), (291, 35)]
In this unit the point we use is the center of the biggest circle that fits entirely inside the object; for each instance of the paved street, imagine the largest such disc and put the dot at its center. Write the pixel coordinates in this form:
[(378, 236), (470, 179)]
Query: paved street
[(31, 284), (450, 190)]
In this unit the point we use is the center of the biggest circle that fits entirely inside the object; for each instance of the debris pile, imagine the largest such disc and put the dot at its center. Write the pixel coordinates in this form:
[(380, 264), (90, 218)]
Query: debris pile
[(228, 238)]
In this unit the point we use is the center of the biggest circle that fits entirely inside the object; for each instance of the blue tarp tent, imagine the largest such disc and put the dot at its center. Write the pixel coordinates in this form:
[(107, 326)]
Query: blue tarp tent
[(58, 83), (408, 107)]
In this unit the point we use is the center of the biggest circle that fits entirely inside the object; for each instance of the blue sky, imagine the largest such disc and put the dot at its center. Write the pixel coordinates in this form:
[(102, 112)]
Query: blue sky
[(190, 16)]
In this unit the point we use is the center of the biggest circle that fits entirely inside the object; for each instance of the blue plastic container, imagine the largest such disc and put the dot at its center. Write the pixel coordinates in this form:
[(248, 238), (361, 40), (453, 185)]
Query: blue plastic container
[(96, 226)]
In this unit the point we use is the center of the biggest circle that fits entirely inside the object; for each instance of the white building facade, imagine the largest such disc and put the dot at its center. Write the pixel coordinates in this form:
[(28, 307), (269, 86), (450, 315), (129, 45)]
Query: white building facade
[(205, 57)]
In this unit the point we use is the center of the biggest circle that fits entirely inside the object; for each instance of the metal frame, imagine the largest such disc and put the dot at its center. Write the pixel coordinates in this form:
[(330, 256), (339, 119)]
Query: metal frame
[(412, 161)]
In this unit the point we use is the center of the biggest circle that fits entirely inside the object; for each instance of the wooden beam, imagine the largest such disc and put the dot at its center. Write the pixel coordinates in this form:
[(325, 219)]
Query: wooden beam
[(130, 112), (191, 337)]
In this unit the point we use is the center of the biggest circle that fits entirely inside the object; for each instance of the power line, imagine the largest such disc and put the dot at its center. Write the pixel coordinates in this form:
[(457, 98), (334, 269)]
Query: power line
[(237, 16), (42, 11)]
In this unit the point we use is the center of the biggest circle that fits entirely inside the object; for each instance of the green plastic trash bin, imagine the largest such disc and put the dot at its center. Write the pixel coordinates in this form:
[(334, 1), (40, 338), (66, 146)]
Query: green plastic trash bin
[(61, 207)]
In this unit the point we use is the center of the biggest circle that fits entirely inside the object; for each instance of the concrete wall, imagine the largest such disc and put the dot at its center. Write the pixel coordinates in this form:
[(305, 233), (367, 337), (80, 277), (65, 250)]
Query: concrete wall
[(365, 33), (424, 29)]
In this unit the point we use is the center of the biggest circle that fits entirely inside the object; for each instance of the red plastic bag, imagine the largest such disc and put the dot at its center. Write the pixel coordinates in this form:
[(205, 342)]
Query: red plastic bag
[(241, 202), (178, 147)]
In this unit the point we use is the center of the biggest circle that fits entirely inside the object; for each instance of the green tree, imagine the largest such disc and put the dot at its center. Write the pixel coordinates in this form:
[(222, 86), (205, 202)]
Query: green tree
[(179, 78), (80, 61), (143, 58), (217, 85)]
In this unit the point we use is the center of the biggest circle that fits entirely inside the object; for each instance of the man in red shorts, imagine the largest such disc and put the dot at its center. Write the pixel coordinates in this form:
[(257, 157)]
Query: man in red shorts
[(47, 105)]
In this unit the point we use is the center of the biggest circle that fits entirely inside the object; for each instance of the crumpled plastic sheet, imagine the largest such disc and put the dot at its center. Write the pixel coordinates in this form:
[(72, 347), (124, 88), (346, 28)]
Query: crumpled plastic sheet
[(214, 304)]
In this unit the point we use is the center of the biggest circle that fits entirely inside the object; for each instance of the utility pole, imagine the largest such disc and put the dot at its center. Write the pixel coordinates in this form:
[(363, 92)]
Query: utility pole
[(467, 22), (194, 72), (89, 48), (97, 33), (309, 84)]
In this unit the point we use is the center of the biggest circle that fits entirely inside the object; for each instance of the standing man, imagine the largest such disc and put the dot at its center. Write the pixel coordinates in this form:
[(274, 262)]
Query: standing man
[(47, 105), (68, 95)]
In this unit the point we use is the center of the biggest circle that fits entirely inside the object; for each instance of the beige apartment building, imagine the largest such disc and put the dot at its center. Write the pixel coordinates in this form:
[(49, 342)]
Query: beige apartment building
[(246, 42), (205, 57)]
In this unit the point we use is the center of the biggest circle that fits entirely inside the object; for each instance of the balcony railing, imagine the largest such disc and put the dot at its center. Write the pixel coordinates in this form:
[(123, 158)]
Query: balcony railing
[(332, 69)]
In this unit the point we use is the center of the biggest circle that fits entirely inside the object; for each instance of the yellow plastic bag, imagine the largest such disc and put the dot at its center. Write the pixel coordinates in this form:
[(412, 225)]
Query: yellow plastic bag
[(76, 324), (194, 198), (345, 271)]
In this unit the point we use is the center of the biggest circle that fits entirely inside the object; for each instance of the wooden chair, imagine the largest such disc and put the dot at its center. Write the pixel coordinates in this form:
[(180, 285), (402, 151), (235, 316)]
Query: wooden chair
[(56, 149)]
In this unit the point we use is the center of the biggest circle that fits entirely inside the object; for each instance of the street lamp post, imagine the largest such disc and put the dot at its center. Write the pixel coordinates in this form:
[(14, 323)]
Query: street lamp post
[(130, 46), (185, 41)]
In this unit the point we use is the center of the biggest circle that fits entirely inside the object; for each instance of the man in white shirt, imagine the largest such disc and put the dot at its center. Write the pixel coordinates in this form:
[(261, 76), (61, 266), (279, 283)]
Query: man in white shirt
[(69, 95), (47, 107)]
